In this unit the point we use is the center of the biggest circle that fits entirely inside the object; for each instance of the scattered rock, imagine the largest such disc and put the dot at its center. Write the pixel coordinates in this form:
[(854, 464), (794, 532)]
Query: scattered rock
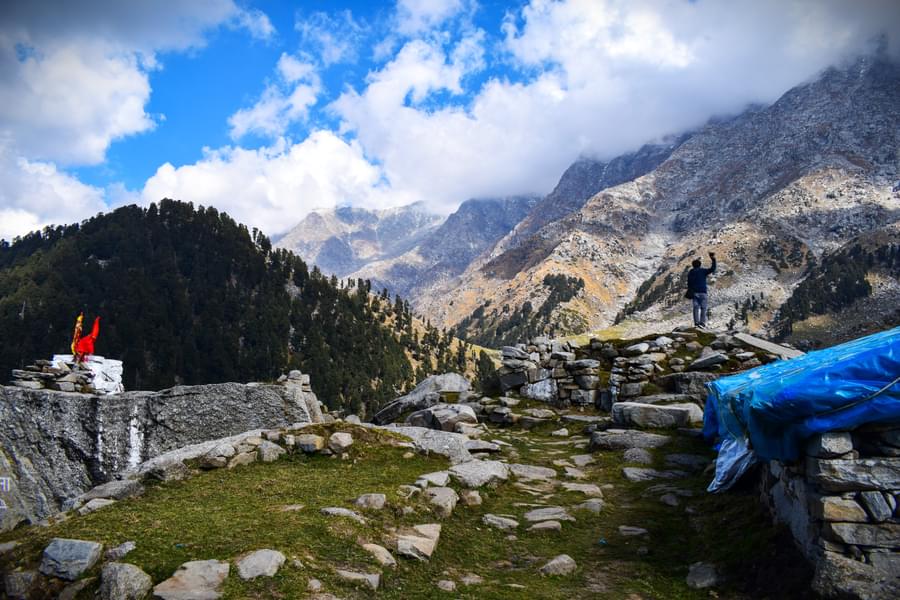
[(309, 443), (621, 439), (95, 504), (194, 580), (369, 580), (314, 585), (546, 526), (119, 552), (336, 511), (442, 499), (561, 565), (438, 478), (573, 473), (629, 531), (381, 555), (482, 446), (269, 452), (595, 505), (695, 462), (638, 455), (116, 490), (531, 472), (657, 416), (340, 442), (121, 581), (259, 563), (588, 489), (669, 500), (470, 497), (371, 501), (582, 460), (19, 585), (446, 585), (477, 473), (498, 522), (706, 362), (68, 559), (637, 474), (702, 575), (444, 417), (560, 432), (471, 579), (421, 543), (550, 513)]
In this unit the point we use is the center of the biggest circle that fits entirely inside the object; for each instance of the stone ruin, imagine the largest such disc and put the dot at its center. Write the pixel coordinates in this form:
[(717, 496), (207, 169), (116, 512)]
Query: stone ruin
[(95, 375)]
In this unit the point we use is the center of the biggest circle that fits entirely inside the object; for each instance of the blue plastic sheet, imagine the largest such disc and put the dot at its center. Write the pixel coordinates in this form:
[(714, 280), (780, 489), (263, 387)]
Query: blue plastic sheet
[(776, 407)]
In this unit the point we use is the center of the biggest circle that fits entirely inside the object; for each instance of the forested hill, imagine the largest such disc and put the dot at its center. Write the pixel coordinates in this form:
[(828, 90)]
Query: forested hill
[(190, 296)]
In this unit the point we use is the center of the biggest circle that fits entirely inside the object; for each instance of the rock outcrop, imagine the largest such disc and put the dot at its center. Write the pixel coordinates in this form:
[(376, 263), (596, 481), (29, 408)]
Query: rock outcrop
[(426, 394), (54, 446)]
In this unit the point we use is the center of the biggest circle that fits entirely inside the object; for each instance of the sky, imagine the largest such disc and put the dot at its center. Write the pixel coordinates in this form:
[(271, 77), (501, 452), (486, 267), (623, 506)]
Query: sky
[(268, 110)]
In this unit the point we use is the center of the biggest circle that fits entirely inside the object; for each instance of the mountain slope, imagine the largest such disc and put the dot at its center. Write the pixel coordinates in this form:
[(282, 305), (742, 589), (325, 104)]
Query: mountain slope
[(770, 191), (190, 296)]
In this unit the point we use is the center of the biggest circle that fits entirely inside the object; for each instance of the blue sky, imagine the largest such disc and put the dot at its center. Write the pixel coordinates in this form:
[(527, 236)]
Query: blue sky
[(270, 109)]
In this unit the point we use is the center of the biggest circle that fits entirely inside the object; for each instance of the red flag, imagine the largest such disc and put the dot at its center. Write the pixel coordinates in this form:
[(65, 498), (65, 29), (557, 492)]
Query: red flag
[(85, 346)]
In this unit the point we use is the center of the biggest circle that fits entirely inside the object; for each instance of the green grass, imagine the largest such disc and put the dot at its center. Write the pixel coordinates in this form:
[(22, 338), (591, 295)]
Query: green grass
[(223, 513)]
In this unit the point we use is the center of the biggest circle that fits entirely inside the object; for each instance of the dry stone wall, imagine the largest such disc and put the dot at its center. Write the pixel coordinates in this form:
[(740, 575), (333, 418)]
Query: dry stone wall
[(841, 504)]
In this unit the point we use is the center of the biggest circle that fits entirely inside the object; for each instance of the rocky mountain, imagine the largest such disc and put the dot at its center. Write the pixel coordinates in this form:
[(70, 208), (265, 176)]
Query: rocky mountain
[(341, 240), (774, 192)]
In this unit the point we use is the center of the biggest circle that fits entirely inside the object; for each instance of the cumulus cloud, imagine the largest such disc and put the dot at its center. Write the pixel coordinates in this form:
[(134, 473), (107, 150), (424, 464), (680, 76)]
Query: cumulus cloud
[(417, 16), (283, 102), (35, 194), (330, 39), (273, 188), (598, 77)]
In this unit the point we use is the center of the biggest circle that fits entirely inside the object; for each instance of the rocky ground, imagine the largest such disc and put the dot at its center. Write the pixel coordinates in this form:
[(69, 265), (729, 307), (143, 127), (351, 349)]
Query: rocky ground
[(547, 512)]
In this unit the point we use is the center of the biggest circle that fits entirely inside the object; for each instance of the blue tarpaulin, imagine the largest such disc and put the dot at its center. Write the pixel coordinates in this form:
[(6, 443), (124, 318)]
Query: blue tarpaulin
[(773, 409)]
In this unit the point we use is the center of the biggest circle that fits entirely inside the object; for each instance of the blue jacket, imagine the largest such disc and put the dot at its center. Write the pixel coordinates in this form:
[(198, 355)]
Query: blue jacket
[(697, 278)]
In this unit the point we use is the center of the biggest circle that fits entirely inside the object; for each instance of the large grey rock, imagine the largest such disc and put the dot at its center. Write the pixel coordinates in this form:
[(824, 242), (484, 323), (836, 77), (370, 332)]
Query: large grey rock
[(478, 473), (442, 500), (122, 581), (68, 559), (115, 490), (381, 555), (886, 535), (309, 443), (369, 580), (702, 575), (194, 580), (659, 416), (638, 455), (543, 391), (550, 513), (65, 444), (259, 563), (708, 361), (843, 475), (420, 543), (618, 439), (498, 522), (529, 472), (839, 576), (830, 445), (371, 501), (561, 565), (445, 443), (339, 442), (269, 452), (95, 504), (419, 398), (513, 352), (636, 349), (443, 417)]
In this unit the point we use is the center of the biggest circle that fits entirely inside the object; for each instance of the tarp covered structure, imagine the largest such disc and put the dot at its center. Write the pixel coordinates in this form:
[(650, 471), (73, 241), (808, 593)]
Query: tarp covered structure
[(771, 410)]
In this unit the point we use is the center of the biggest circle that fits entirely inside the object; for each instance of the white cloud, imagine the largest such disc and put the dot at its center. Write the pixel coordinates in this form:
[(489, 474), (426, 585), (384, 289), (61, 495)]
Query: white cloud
[(329, 38), (35, 194), (256, 22), (273, 188), (282, 103), (417, 16)]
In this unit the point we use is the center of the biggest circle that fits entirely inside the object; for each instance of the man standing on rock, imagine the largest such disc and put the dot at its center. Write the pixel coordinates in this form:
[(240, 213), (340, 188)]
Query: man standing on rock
[(697, 290)]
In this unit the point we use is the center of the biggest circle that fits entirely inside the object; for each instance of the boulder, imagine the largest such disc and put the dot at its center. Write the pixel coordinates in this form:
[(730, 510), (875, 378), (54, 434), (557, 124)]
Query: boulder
[(531, 472), (121, 581), (550, 513), (443, 417), (619, 439), (68, 559), (95, 504), (371, 501), (269, 452), (309, 443), (560, 565), (438, 478), (445, 443), (477, 473), (381, 555), (194, 580), (420, 543), (657, 416), (259, 563), (498, 522), (115, 490), (422, 396), (340, 442), (369, 580), (442, 500), (588, 489)]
